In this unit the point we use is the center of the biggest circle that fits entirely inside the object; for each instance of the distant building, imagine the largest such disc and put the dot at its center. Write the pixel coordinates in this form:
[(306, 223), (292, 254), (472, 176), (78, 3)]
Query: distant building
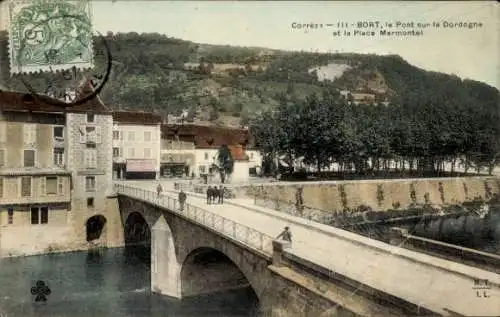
[(136, 145), (193, 149), (55, 174)]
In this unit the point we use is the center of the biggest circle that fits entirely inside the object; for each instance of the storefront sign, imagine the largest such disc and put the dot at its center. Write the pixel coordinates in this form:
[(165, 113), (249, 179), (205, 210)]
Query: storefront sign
[(141, 165)]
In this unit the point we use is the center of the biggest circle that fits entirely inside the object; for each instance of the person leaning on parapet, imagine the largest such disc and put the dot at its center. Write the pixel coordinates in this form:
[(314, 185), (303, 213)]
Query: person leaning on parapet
[(209, 194), (285, 235), (182, 199), (159, 189)]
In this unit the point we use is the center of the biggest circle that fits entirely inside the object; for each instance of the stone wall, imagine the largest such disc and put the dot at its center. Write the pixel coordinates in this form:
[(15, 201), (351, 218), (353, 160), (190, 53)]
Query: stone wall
[(380, 194), (65, 232)]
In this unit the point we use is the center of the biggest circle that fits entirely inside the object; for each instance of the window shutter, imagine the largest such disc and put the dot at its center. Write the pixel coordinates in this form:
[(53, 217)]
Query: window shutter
[(86, 158), (42, 186), (83, 134), (93, 158), (60, 185), (26, 134), (97, 134), (33, 133), (84, 186), (3, 132)]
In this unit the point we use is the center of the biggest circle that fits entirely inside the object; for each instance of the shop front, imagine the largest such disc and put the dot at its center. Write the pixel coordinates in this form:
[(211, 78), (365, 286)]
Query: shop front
[(141, 169), (176, 165)]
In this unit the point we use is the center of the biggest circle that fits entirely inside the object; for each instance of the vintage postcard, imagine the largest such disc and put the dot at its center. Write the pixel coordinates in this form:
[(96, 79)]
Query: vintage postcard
[(249, 158)]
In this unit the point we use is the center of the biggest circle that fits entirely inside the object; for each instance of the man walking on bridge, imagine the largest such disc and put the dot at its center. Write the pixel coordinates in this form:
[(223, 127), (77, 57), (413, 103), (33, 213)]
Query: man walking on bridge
[(285, 235), (182, 199), (209, 194), (159, 189), (221, 194)]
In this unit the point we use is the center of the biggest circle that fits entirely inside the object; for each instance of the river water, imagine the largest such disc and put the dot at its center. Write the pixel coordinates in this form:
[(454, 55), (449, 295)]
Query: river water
[(114, 283)]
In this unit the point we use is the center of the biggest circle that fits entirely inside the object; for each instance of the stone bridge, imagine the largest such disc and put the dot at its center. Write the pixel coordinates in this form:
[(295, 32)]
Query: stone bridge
[(202, 249)]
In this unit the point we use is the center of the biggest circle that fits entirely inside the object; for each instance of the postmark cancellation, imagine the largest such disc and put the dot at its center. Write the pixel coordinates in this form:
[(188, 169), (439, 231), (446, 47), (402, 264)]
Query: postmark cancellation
[(49, 35)]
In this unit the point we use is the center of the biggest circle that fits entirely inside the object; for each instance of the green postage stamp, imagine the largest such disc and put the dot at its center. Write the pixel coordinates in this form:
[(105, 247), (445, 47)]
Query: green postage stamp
[(49, 35)]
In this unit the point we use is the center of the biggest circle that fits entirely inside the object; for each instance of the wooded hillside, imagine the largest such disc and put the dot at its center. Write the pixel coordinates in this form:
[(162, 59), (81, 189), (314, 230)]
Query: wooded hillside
[(153, 72)]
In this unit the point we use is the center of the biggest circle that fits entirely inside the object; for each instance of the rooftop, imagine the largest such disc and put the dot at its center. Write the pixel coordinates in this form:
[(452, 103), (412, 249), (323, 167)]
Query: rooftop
[(207, 136), (136, 117), (25, 102)]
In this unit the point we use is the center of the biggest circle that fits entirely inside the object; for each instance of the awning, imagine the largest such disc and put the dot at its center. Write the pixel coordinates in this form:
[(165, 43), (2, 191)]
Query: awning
[(141, 165)]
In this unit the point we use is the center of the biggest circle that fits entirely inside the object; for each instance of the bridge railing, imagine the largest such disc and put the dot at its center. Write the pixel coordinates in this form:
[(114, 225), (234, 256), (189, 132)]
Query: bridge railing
[(227, 227)]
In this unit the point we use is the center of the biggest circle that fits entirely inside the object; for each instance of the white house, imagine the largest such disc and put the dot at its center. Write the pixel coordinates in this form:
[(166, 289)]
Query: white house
[(136, 145), (200, 147)]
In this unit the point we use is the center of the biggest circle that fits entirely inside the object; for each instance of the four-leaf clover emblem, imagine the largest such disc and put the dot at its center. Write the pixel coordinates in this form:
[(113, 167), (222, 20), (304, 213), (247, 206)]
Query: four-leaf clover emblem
[(41, 291)]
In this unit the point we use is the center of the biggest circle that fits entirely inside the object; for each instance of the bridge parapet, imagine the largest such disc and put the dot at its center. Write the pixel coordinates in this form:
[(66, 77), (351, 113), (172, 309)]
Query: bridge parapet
[(234, 231)]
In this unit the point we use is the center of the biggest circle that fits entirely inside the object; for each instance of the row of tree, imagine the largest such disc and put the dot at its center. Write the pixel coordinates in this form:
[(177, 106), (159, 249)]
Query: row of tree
[(417, 134)]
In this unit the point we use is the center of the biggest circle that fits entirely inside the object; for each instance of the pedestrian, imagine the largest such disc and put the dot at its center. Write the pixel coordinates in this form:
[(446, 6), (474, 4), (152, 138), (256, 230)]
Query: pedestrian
[(285, 235), (221, 194), (159, 189), (209, 194), (182, 199)]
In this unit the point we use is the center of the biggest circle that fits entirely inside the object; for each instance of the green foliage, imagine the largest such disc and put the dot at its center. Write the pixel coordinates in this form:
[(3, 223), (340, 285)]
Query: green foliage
[(225, 162), (420, 132), (432, 115)]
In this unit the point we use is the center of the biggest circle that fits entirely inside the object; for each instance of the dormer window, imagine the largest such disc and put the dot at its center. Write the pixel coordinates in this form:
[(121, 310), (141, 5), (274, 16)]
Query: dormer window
[(90, 118)]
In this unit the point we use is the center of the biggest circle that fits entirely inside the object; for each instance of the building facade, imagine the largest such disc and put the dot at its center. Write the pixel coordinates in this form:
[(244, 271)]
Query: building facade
[(55, 175), (136, 145), (194, 149)]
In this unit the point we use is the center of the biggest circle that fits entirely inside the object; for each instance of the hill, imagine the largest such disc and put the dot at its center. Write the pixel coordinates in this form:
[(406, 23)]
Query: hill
[(227, 85)]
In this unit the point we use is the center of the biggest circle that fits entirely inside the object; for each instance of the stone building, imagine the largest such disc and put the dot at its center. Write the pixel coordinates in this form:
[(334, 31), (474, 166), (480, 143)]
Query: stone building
[(55, 176), (136, 145)]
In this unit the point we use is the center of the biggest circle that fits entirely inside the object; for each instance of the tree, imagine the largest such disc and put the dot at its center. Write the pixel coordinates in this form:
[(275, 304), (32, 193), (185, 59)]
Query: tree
[(225, 162)]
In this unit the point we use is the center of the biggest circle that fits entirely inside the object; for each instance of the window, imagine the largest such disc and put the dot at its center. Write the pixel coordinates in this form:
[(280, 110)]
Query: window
[(58, 156), (147, 152), (131, 152), (29, 131), (39, 215), (26, 186), (147, 136), (90, 117), (1, 187), (131, 136), (2, 158), (29, 158), (206, 155), (90, 157), (10, 216), (59, 133), (116, 135), (116, 152), (90, 202), (201, 169), (251, 155), (90, 134), (90, 183), (51, 185)]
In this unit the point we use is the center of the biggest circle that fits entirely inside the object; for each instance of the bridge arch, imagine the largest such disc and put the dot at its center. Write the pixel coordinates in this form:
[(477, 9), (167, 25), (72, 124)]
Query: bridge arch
[(207, 270), (137, 236), (137, 231), (94, 227)]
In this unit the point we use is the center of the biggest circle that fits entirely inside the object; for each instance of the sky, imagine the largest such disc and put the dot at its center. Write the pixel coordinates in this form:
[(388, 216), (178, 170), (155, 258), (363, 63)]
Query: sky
[(467, 53)]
